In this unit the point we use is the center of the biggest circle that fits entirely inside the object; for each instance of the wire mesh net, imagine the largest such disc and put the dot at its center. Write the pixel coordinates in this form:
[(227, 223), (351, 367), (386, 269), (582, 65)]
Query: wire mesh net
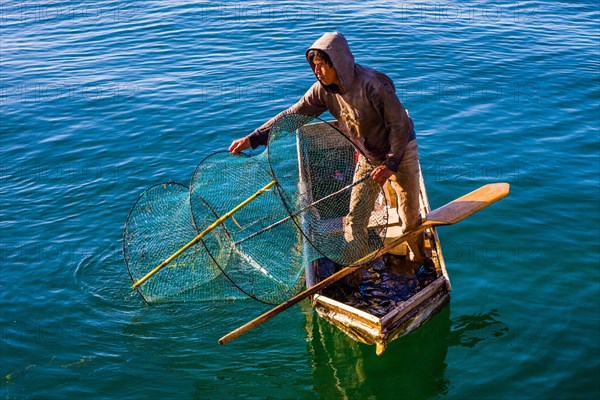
[(324, 204), (158, 225), (328, 192), (266, 261)]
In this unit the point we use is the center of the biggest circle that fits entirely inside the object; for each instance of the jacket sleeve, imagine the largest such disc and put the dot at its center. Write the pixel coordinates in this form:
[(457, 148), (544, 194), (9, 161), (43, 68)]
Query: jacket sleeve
[(312, 103), (398, 124)]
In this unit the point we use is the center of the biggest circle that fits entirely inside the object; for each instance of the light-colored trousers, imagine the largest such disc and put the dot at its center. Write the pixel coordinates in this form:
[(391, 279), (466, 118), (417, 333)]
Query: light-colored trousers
[(406, 186)]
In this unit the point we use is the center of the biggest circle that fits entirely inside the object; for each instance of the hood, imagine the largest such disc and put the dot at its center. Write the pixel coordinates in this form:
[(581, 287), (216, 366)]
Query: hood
[(336, 47)]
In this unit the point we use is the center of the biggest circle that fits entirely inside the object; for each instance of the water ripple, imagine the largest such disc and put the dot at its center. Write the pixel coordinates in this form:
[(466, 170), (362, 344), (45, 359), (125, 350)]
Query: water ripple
[(101, 100)]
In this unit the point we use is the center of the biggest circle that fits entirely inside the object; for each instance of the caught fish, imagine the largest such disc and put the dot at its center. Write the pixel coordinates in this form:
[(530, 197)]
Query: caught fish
[(380, 290)]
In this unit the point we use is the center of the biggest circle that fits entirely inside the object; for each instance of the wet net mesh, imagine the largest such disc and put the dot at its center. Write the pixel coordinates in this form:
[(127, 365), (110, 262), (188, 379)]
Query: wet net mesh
[(261, 251), (158, 225), (317, 187), (267, 262)]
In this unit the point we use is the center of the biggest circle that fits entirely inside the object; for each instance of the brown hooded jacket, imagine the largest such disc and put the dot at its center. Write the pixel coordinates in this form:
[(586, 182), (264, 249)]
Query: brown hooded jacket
[(366, 106)]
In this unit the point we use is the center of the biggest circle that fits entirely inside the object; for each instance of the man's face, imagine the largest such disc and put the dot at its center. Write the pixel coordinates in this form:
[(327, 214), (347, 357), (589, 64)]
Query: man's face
[(325, 73)]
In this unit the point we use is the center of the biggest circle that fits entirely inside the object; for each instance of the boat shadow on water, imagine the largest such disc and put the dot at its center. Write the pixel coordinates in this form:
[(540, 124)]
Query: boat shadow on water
[(413, 366)]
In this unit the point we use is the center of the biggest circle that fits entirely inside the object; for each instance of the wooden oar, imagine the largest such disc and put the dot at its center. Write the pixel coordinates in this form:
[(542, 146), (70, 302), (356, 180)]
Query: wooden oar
[(448, 214), (203, 233)]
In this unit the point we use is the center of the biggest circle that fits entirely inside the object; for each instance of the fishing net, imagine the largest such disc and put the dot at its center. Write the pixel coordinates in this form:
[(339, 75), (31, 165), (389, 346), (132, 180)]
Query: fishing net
[(261, 250), (158, 225), (340, 211), (267, 258)]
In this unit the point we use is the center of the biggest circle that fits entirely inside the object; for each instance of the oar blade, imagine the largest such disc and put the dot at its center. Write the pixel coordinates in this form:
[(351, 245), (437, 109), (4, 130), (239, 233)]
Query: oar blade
[(468, 204)]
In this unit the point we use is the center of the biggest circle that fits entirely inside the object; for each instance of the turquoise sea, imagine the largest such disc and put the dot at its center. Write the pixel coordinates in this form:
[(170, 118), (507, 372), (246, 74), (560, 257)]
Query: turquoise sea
[(101, 99)]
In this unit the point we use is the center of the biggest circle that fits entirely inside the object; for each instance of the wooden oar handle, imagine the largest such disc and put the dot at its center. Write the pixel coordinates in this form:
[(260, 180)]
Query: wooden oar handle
[(284, 306)]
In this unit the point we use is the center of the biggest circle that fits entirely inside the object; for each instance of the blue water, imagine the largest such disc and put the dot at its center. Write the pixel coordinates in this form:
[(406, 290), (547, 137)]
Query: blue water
[(100, 100)]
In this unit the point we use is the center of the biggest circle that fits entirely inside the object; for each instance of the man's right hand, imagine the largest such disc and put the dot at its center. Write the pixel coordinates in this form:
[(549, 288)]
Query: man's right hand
[(238, 145)]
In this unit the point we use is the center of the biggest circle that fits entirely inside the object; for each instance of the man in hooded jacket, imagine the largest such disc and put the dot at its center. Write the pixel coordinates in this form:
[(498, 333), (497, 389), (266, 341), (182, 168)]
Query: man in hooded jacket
[(365, 104)]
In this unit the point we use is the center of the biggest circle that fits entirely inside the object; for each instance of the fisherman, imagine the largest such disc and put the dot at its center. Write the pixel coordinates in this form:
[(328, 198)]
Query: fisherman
[(364, 102)]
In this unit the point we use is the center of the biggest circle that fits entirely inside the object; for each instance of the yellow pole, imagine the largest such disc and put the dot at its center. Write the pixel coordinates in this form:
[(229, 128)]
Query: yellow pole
[(202, 234)]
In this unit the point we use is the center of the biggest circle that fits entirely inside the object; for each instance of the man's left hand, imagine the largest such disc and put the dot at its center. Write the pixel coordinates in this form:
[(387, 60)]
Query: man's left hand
[(381, 174)]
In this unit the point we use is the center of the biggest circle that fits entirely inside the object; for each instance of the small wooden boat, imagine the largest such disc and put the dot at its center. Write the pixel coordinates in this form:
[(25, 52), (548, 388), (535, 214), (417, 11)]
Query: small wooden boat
[(405, 316), (431, 294)]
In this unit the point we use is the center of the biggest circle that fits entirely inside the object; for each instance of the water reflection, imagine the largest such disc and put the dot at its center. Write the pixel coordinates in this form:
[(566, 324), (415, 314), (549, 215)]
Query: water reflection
[(468, 330), (412, 367)]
